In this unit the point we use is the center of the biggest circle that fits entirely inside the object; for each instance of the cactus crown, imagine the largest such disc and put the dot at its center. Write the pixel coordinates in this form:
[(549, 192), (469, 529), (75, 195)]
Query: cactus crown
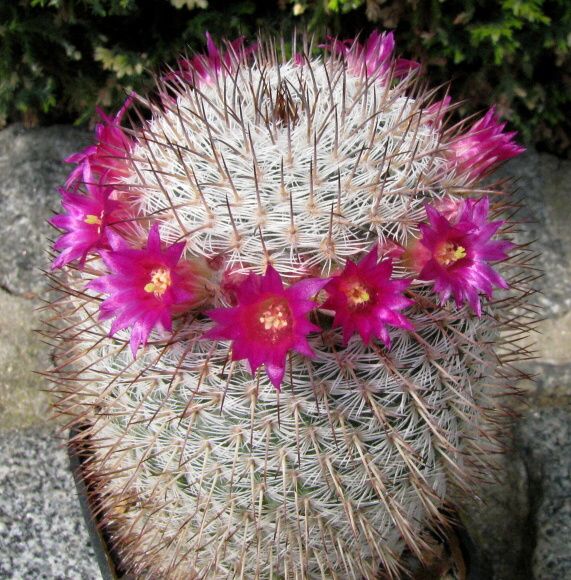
[(302, 257)]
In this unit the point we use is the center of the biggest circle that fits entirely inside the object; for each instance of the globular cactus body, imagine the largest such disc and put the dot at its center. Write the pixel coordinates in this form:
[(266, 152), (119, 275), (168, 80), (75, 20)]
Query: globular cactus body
[(261, 164)]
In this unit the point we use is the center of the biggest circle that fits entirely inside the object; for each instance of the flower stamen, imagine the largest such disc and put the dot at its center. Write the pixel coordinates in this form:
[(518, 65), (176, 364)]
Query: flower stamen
[(160, 282), (92, 219), (275, 317), (450, 253), (358, 294)]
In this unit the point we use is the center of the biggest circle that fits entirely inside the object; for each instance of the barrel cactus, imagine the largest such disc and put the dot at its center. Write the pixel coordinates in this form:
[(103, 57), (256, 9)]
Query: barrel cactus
[(287, 310)]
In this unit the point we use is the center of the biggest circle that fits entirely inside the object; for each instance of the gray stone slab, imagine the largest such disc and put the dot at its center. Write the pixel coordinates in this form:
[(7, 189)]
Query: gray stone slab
[(31, 170), (544, 186), (544, 441), (523, 523), (42, 533), (23, 400), (497, 520)]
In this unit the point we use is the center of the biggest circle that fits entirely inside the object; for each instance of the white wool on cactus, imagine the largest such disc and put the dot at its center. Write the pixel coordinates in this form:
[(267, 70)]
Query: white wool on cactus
[(263, 166)]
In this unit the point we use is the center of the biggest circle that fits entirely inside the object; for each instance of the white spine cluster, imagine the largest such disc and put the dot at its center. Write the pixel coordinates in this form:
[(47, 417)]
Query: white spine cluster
[(204, 470), (302, 166)]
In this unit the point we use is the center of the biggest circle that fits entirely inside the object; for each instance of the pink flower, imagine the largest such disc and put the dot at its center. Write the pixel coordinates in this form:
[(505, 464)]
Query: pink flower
[(451, 208), (86, 221), (298, 59), (483, 147), (145, 287), (373, 58), (108, 157), (204, 68), (366, 300), (456, 255), (268, 321), (434, 114)]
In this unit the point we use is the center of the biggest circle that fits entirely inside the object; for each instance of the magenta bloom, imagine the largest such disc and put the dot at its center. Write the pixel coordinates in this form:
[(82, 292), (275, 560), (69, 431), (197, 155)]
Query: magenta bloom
[(204, 68), (456, 255), (85, 222), (108, 157), (483, 146), (366, 300), (373, 58), (268, 321), (434, 114), (299, 59), (451, 208), (145, 287)]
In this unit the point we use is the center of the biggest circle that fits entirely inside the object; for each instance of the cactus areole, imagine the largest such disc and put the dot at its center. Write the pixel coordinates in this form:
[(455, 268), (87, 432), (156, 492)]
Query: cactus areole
[(287, 309)]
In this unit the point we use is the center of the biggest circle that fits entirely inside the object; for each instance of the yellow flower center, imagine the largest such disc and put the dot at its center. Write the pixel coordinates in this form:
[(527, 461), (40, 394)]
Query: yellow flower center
[(275, 317), (357, 294), (92, 220), (450, 253), (160, 281)]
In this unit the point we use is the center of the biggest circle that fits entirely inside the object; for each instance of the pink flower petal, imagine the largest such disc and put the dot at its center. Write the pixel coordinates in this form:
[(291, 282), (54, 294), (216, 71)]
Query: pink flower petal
[(365, 299), (144, 287), (373, 58), (458, 250), (483, 147), (268, 322)]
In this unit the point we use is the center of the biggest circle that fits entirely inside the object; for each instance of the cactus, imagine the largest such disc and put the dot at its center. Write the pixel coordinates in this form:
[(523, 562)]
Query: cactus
[(283, 315)]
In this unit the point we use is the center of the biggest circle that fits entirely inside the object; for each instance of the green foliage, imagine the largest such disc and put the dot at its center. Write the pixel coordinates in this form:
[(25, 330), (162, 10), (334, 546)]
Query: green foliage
[(58, 58)]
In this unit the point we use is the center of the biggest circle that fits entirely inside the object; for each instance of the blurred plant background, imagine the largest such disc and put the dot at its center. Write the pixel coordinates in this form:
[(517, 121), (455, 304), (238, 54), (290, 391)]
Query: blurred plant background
[(61, 58)]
